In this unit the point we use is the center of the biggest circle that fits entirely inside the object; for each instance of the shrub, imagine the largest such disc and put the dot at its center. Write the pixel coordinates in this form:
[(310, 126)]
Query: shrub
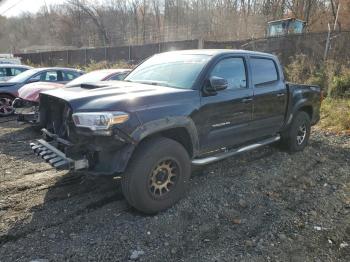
[(340, 85), (332, 77), (300, 70), (105, 65), (335, 114)]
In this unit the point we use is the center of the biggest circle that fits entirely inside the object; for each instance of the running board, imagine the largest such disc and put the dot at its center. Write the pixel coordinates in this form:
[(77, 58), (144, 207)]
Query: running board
[(236, 151)]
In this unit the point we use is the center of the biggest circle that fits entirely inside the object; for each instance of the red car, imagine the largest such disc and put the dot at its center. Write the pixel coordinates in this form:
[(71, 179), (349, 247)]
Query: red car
[(27, 104)]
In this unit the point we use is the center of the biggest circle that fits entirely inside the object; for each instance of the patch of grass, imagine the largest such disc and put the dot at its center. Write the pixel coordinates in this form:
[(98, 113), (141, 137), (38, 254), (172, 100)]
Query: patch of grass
[(335, 115), (91, 66), (104, 65)]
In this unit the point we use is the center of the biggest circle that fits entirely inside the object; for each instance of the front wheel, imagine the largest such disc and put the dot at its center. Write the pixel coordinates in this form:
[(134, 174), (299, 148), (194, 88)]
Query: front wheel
[(157, 175), (297, 136), (6, 108)]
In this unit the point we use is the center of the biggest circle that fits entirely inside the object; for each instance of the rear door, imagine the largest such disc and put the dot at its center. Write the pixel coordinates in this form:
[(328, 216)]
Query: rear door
[(270, 96), (225, 116)]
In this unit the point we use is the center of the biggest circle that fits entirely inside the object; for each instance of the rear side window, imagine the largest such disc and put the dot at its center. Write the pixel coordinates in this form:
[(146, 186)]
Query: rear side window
[(2, 72), (119, 76), (263, 70), (16, 71), (69, 75)]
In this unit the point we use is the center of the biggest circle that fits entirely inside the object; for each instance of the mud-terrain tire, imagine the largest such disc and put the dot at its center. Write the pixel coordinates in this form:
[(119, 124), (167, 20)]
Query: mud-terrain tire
[(157, 175), (297, 136)]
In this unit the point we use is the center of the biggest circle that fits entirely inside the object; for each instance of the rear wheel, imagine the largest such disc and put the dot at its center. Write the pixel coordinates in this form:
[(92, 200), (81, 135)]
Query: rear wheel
[(6, 108), (297, 136), (157, 175)]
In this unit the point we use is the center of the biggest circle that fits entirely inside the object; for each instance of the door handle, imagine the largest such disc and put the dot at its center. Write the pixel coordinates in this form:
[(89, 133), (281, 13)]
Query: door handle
[(247, 100), (280, 94)]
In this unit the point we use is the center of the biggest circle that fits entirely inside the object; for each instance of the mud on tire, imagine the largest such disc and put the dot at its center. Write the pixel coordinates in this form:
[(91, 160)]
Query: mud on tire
[(157, 176)]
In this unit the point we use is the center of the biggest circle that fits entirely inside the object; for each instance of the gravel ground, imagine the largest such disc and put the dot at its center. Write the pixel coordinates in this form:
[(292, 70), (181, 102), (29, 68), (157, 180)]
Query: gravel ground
[(265, 205)]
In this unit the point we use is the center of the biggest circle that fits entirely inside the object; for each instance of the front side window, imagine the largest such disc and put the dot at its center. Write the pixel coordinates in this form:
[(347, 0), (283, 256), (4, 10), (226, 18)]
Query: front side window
[(263, 70), (172, 70), (233, 70), (48, 76)]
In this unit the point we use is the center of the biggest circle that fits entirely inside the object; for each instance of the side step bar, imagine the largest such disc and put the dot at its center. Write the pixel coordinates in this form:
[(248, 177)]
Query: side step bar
[(236, 151)]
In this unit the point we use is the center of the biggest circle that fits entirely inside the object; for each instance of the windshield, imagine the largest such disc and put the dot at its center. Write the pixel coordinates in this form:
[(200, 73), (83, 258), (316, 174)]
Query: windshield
[(173, 70), (22, 77), (94, 76)]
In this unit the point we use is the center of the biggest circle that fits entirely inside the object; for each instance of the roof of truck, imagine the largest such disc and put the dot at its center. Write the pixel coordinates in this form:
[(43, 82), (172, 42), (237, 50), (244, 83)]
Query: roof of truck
[(213, 52)]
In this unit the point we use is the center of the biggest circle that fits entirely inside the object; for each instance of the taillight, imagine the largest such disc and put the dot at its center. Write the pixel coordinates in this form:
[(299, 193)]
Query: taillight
[(321, 96)]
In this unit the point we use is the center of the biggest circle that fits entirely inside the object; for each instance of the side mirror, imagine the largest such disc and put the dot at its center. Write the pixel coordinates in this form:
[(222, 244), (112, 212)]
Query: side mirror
[(215, 84)]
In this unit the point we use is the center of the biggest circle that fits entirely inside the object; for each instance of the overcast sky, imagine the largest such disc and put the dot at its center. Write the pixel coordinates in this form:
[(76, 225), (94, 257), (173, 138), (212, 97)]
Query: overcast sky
[(16, 7)]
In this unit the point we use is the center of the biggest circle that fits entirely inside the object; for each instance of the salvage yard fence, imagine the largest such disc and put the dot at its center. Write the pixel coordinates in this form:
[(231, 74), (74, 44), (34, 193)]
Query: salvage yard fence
[(312, 45)]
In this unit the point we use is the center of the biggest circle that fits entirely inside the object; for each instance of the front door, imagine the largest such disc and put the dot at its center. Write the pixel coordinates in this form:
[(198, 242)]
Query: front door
[(227, 114)]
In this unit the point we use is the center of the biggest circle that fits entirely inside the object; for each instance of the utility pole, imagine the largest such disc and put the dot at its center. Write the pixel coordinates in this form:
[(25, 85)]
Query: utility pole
[(328, 42)]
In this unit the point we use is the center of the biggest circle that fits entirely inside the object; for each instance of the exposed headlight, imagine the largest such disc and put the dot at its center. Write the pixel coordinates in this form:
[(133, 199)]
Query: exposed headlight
[(99, 120)]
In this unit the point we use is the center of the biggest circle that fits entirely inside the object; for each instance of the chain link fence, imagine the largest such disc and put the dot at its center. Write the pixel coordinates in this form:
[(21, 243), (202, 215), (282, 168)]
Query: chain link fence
[(312, 45)]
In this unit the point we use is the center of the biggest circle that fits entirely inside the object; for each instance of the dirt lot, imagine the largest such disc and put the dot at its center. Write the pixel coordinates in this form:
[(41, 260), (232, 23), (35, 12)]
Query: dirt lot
[(266, 205)]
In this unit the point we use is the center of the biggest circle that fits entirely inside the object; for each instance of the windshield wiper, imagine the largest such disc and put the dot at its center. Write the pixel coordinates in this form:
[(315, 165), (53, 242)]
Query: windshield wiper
[(150, 82)]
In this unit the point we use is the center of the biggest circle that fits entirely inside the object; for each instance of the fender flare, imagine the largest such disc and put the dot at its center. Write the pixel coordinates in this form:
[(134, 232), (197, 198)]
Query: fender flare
[(168, 123), (301, 103), (151, 128)]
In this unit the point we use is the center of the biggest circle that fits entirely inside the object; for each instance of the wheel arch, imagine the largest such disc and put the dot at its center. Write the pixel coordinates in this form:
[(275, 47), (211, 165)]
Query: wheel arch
[(7, 94), (307, 109), (180, 129)]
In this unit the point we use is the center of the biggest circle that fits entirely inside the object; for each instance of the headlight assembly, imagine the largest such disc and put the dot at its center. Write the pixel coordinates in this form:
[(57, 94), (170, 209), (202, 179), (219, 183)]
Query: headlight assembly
[(99, 120)]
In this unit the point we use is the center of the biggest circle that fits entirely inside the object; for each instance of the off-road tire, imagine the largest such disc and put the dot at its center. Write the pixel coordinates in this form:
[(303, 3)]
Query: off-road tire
[(290, 137), (136, 179)]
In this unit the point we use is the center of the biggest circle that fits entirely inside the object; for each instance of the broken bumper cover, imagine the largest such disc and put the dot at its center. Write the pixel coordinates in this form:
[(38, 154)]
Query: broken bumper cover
[(26, 111), (57, 158)]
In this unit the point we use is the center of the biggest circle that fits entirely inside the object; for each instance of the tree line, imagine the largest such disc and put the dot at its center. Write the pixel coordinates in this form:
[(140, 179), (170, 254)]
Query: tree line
[(88, 23)]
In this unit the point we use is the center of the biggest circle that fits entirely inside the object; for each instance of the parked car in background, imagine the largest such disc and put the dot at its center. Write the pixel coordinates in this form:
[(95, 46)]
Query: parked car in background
[(9, 59), (7, 71), (27, 103), (100, 75), (9, 89)]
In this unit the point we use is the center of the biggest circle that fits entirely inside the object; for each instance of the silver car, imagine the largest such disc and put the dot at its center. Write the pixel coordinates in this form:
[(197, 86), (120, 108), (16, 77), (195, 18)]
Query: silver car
[(7, 71)]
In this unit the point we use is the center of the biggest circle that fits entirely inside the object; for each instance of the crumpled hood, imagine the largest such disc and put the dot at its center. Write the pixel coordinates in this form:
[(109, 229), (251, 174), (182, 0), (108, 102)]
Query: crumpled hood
[(120, 96), (30, 92)]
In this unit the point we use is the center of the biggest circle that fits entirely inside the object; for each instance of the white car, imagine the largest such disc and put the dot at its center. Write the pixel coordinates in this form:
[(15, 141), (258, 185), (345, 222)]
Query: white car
[(7, 71)]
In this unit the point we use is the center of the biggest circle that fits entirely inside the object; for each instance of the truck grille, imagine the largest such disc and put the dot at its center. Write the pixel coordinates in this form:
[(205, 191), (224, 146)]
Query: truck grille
[(55, 115)]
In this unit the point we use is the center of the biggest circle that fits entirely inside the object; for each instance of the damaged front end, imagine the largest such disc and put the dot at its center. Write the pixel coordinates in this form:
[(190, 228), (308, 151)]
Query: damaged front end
[(26, 111), (73, 141)]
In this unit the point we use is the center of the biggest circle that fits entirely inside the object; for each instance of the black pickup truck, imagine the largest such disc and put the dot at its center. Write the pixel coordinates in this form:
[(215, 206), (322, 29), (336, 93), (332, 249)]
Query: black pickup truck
[(174, 111)]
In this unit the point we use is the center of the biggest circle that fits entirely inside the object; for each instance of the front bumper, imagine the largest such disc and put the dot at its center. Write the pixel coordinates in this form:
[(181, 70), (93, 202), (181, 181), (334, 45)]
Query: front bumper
[(26, 111), (57, 158)]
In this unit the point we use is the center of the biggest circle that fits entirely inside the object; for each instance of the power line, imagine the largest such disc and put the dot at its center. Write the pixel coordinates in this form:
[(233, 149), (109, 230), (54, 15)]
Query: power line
[(12, 6)]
